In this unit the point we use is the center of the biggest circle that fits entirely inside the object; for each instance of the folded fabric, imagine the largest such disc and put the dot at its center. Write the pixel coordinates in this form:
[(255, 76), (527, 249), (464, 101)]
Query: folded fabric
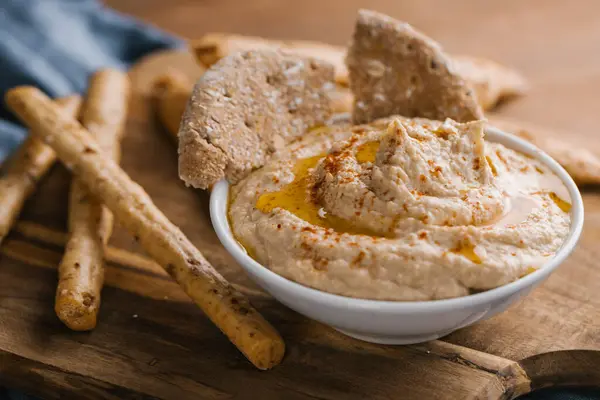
[(56, 44)]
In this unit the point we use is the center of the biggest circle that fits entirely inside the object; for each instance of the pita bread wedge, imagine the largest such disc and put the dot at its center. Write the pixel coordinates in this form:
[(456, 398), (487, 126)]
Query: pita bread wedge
[(213, 46), (580, 163), (394, 69), (246, 107), (493, 82)]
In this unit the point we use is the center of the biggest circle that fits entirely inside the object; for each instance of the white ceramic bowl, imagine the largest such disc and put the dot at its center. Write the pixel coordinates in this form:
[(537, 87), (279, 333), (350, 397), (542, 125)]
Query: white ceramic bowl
[(401, 322)]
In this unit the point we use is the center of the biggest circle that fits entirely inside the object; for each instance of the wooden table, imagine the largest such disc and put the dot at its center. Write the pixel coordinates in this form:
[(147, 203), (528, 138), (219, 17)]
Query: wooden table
[(152, 342)]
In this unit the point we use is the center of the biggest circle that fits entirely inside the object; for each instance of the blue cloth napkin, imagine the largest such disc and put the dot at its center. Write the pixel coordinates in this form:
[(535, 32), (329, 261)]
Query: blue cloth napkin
[(56, 45)]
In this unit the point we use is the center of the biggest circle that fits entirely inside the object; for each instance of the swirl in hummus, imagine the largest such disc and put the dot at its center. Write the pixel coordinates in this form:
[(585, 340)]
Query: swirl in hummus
[(401, 209)]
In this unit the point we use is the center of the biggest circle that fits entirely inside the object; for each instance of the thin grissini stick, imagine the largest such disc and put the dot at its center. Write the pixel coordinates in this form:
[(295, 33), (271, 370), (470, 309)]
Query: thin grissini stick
[(24, 169), (161, 239), (172, 91), (43, 234), (114, 255), (81, 271)]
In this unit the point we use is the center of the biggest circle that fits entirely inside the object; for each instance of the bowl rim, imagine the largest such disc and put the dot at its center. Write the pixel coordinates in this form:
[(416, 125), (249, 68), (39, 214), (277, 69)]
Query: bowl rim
[(218, 212)]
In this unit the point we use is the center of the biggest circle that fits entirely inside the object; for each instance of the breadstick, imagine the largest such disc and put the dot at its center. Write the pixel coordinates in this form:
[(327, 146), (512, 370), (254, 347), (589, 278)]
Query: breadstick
[(81, 271), (114, 255), (172, 91), (161, 239), (24, 169)]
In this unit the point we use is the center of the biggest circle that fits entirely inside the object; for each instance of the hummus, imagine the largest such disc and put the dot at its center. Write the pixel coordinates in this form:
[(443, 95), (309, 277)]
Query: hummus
[(401, 209)]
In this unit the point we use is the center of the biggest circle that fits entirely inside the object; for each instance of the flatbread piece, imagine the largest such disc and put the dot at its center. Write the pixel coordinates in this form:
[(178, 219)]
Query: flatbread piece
[(211, 47), (395, 69), (580, 163), (246, 107)]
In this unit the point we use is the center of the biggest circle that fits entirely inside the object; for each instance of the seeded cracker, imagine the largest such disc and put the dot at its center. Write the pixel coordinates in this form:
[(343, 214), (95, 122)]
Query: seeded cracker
[(397, 70), (580, 163), (247, 106)]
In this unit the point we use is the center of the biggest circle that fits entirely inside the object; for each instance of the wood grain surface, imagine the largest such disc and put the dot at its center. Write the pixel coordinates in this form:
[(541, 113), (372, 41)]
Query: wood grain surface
[(151, 341)]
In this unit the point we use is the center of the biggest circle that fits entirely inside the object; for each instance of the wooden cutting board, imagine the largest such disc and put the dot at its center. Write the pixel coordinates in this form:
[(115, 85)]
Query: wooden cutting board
[(151, 341)]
